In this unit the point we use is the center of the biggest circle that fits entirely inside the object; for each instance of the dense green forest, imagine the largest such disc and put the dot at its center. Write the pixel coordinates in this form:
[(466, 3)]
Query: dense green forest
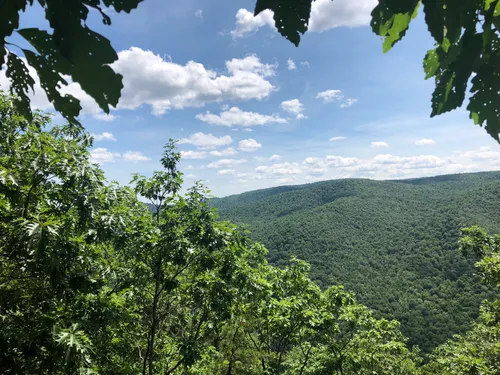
[(92, 282), (394, 243)]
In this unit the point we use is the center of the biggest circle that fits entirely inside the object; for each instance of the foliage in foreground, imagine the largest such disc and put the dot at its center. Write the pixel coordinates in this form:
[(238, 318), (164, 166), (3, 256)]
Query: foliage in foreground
[(92, 283)]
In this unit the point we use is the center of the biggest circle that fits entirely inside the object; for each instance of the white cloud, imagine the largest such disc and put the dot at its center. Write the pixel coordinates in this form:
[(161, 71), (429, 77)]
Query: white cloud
[(105, 117), (280, 169), (206, 141), (305, 63), (193, 154), (236, 117), (151, 80), (249, 145), (275, 157), (329, 96), (189, 167), (425, 142), (226, 152), (135, 156), (294, 107), (291, 64), (379, 144), (103, 137), (484, 153), (336, 96), (348, 102), (223, 172), (252, 64), (333, 139), (102, 155), (325, 15), (246, 23), (226, 163), (190, 175), (199, 14), (340, 161)]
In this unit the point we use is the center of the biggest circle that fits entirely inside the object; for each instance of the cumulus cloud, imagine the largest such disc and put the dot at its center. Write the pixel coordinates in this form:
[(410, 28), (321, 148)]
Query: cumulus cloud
[(329, 96), (236, 117), (340, 161), (249, 145), (291, 64), (102, 155), (280, 169), (193, 154), (105, 117), (275, 157), (378, 144), (199, 14), (223, 172), (206, 141), (294, 107), (151, 80), (484, 153), (103, 137), (425, 142), (247, 23), (226, 152), (325, 15), (348, 102), (305, 63), (336, 96), (339, 138), (226, 163), (135, 156)]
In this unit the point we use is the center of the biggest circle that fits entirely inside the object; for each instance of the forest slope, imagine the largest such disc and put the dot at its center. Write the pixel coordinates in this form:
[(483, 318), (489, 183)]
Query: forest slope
[(394, 243)]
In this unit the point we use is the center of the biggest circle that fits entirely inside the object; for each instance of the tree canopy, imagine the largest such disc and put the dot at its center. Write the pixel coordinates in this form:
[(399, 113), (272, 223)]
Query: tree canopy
[(466, 51)]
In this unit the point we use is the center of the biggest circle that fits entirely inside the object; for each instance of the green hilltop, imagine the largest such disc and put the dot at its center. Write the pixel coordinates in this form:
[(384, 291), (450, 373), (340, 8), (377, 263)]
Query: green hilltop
[(392, 242)]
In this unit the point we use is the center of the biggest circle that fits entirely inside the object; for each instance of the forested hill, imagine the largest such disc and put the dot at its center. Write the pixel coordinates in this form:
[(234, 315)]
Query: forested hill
[(392, 242)]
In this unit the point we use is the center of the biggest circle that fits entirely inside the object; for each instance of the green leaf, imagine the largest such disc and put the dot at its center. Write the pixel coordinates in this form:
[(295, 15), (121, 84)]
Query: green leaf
[(291, 17), (22, 82), (391, 19), (9, 21), (50, 80), (434, 18), (431, 63)]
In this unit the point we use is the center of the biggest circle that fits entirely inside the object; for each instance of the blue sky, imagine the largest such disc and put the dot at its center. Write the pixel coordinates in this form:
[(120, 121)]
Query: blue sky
[(253, 111)]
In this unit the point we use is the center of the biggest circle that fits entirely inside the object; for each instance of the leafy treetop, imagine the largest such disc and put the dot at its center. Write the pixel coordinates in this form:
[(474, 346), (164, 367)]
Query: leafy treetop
[(71, 50)]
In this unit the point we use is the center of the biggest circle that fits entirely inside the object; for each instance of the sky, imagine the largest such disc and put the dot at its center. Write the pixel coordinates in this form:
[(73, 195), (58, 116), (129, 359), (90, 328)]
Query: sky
[(250, 110)]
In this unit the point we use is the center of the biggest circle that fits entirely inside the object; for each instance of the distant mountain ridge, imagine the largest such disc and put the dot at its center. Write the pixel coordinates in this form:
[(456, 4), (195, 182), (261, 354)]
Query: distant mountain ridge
[(392, 242)]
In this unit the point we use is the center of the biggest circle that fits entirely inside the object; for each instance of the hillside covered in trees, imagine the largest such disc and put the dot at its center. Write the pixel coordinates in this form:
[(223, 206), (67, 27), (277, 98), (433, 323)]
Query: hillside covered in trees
[(394, 243)]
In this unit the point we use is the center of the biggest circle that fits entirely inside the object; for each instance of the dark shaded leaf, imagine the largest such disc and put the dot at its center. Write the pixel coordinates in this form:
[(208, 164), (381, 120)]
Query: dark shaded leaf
[(22, 82), (291, 17), (9, 21)]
